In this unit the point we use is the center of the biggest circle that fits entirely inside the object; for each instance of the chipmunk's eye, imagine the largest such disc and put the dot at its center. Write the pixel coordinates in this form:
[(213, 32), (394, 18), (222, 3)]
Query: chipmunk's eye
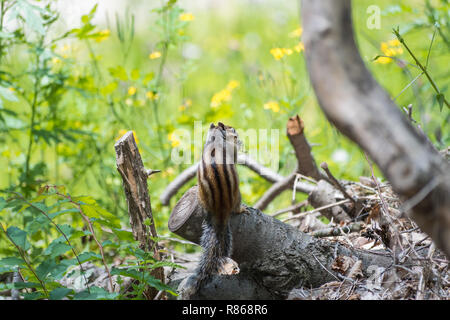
[(213, 138)]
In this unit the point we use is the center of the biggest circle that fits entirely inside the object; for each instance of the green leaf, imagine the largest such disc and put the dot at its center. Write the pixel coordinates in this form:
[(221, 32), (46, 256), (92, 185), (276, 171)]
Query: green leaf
[(33, 295), (87, 256), (59, 293), (32, 19), (96, 293), (23, 285), (144, 277), (90, 208), (123, 235), (8, 94), (119, 72), (2, 203), (135, 74), (56, 248), (440, 100), (109, 88), (19, 237), (12, 261), (45, 269)]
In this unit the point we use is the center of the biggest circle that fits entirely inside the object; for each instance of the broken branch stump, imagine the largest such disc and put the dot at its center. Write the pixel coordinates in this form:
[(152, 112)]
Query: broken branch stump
[(134, 176)]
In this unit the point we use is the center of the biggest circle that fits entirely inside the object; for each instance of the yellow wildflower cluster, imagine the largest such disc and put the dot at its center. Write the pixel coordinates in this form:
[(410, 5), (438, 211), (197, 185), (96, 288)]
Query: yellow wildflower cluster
[(174, 139), (272, 105), (154, 55), (186, 17), (279, 53), (123, 131), (390, 48), (102, 35), (224, 95), (186, 104), (299, 47)]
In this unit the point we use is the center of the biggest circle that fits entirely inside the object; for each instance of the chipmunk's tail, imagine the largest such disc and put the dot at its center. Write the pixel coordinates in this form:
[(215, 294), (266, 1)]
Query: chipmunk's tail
[(216, 242)]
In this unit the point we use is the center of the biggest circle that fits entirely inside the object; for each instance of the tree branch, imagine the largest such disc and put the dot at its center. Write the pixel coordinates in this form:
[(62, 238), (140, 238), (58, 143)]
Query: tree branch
[(356, 104)]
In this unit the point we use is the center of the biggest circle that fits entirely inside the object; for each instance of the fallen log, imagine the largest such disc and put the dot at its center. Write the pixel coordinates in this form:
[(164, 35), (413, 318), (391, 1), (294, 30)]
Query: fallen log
[(273, 257)]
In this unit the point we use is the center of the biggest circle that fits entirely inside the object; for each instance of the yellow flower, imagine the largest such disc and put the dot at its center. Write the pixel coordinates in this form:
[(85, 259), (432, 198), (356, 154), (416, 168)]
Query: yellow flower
[(123, 131), (383, 60), (154, 55), (232, 84), (132, 91), (175, 142), (296, 33), (394, 43), (151, 95), (390, 48), (186, 17), (299, 47), (220, 97), (287, 51), (224, 95), (272, 105), (103, 35), (277, 53)]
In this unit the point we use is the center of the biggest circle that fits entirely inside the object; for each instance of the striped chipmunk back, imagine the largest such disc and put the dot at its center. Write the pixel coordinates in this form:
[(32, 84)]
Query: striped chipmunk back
[(217, 176)]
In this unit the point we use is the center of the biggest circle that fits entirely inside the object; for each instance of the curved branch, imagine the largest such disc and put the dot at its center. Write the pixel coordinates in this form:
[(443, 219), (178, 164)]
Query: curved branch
[(357, 105)]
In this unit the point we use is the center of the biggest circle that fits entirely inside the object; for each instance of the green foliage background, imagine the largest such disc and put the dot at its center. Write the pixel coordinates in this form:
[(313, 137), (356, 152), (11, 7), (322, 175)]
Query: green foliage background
[(66, 96)]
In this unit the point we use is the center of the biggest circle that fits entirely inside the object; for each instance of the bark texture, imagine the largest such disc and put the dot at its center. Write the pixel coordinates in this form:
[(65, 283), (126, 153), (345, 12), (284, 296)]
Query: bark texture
[(134, 176), (361, 109), (273, 256)]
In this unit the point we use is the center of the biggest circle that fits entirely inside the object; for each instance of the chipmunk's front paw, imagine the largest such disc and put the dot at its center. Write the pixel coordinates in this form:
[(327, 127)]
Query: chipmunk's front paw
[(243, 209)]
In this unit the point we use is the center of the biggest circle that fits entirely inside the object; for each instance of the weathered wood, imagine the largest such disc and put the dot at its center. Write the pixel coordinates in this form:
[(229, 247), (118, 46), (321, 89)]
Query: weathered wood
[(357, 105), (272, 254), (134, 176), (323, 195), (306, 163)]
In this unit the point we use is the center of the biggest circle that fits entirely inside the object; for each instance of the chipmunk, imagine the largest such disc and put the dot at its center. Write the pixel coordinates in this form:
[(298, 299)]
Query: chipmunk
[(219, 195)]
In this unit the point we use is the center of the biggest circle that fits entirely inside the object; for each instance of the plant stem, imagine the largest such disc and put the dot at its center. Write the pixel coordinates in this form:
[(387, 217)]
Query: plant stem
[(424, 69), (23, 256), (155, 103), (60, 231), (33, 116), (91, 229)]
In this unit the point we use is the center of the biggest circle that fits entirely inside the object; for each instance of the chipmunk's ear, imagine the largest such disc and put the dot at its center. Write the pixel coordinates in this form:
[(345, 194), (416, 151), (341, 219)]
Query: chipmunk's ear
[(220, 124), (211, 126)]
